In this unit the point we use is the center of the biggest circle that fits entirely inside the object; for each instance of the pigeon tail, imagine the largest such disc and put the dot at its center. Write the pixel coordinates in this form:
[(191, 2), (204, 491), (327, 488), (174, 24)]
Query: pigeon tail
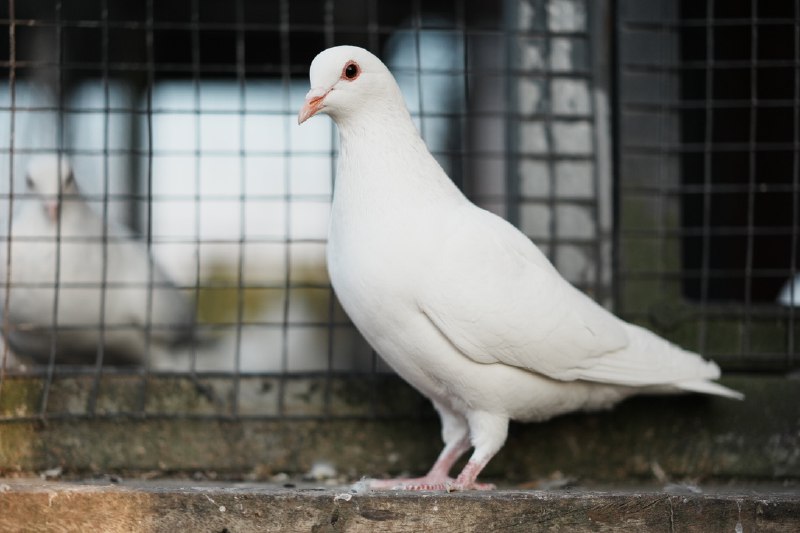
[(709, 387)]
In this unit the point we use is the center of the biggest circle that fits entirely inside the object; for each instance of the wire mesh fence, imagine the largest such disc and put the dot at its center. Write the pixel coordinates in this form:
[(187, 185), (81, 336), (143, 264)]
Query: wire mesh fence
[(164, 220), (708, 176)]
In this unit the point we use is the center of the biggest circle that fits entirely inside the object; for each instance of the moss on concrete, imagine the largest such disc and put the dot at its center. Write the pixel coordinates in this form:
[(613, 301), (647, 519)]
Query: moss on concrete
[(738, 337), (692, 436)]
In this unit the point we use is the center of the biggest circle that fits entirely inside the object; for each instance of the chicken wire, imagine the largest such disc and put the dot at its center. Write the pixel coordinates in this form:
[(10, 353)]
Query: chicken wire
[(707, 189), (179, 121)]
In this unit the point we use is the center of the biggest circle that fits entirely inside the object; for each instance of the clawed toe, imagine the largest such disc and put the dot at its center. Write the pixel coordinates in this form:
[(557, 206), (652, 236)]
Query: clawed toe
[(422, 483), (423, 486), (448, 484)]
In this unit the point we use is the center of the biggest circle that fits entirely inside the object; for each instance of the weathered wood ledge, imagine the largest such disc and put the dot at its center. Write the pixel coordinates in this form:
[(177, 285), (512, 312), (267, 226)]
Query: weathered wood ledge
[(153, 507)]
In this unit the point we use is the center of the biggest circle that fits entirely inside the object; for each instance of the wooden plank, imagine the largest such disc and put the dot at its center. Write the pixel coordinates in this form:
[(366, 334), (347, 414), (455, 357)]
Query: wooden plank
[(154, 508)]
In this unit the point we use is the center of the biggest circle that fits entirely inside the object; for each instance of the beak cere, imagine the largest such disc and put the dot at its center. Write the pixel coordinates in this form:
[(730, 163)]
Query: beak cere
[(313, 104)]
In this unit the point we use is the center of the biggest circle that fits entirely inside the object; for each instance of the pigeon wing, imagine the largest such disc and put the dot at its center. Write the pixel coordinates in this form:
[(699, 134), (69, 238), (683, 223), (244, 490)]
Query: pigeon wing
[(497, 298)]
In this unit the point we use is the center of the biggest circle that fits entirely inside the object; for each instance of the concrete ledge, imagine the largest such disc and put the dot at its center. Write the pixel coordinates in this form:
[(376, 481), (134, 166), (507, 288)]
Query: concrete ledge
[(682, 437), (33, 505)]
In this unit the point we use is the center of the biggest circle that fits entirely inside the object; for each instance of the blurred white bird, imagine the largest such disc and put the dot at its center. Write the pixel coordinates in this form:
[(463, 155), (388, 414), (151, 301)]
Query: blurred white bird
[(458, 301), (789, 296), (77, 283)]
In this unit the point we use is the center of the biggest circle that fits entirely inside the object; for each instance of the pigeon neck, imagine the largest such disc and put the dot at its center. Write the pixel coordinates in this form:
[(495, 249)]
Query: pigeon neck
[(384, 157), (377, 123)]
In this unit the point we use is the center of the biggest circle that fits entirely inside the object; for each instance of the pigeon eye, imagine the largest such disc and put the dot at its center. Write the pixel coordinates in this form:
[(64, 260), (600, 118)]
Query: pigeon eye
[(351, 71)]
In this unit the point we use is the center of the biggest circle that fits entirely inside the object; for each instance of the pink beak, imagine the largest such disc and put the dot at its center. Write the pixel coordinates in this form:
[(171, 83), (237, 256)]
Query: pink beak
[(52, 210), (313, 104)]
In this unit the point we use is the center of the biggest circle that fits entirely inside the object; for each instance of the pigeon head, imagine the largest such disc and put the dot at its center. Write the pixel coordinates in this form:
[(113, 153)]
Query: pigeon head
[(348, 81), (51, 178)]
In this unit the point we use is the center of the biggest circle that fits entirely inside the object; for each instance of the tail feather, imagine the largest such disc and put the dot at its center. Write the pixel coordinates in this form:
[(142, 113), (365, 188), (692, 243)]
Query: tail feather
[(709, 387)]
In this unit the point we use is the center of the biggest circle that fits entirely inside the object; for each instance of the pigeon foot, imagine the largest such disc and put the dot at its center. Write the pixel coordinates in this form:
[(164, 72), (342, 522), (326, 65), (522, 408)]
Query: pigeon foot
[(414, 483), (447, 484)]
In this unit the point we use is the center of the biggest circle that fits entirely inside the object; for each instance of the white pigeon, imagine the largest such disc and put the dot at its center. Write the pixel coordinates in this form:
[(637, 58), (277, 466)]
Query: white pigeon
[(789, 296), (459, 302), (62, 256)]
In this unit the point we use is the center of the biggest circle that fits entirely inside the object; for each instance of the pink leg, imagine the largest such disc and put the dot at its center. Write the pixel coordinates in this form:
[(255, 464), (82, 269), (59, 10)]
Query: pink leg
[(488, 432), (436, 479), (488, 435), (466, 480), (455, 434)]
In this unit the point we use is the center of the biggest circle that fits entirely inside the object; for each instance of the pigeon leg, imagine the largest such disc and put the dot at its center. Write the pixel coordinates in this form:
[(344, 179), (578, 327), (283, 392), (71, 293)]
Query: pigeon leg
[(455, 434), (488, 434)]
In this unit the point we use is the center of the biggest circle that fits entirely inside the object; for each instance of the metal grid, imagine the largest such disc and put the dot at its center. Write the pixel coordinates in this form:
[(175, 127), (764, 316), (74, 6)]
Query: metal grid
[(178, 118), (708, 175)]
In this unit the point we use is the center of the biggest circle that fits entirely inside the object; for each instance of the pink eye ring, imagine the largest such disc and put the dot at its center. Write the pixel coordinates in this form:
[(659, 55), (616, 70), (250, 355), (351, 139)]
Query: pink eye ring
[(351, 71)]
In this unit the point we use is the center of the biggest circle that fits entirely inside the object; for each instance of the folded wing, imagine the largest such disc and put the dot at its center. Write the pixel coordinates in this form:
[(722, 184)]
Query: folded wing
[(496, 297)]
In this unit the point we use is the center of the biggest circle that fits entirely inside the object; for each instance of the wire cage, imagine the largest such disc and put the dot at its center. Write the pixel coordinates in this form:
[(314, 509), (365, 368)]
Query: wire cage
[(707, 188), (177, 120)]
